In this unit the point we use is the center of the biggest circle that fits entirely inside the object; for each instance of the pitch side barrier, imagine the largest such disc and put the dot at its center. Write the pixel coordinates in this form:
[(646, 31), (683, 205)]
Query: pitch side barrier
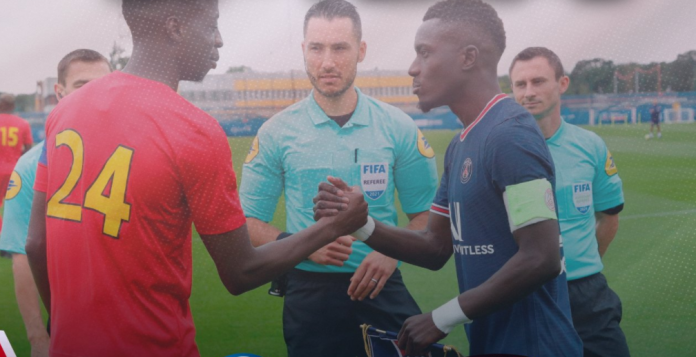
[(599, 109), (603, 109)]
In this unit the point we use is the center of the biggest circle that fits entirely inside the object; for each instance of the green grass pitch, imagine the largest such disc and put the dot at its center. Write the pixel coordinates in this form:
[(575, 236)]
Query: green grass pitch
[(651, 263)]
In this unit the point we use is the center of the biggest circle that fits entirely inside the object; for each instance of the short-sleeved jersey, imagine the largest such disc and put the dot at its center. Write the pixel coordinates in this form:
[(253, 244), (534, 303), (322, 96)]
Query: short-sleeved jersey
[(15, 133), (655, 113), (20, 195), (587, 181), (380, 148), (128, 166), (501, 148)]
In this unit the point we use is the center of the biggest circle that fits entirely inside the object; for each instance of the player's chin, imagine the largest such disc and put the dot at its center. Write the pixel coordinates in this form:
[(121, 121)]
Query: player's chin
[(196, 75), (424, 105)]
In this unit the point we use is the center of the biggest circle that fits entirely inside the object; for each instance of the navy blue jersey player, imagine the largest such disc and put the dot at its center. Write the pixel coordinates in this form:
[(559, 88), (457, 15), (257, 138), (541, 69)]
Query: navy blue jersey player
[(495, 208)]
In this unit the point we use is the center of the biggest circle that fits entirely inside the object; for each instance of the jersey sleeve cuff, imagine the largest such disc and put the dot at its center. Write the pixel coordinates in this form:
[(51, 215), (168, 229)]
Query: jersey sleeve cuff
[(440, 210), (40, 182)]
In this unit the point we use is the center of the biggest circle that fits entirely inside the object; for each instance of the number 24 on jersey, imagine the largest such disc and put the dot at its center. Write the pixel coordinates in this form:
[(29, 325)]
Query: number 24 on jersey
[(115, 171)]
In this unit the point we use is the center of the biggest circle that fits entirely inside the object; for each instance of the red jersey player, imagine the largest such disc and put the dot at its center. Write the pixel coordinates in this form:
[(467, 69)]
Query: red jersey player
[(15, 139), (129, 165)]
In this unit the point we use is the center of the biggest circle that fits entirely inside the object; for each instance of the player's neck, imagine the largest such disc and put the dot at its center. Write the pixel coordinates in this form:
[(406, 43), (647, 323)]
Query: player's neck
[(473, 100), (153, 67), (549, 124), (340, 105)]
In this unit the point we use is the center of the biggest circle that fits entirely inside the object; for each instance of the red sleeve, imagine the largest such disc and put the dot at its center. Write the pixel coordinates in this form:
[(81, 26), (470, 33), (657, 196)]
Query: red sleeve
[(210, 184), (41, 179)]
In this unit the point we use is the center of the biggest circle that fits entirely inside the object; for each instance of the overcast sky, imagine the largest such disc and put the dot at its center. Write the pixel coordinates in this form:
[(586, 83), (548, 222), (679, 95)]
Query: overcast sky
[(266, 34)]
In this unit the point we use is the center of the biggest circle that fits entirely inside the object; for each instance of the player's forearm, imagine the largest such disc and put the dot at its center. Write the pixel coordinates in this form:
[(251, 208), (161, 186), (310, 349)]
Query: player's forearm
[(27, 298), (260, 232), (606, 229), (519, 277), (536, 262), (36, 248), (242, 267), (422, 248)]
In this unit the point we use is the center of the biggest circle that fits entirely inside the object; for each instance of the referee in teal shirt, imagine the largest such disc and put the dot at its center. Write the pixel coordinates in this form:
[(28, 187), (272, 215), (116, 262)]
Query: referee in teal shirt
[(589, 195), (338, 131)]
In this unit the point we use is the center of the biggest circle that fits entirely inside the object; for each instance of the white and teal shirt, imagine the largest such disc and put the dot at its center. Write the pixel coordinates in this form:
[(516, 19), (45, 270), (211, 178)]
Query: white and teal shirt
[(587, 181), (380, 148), (20, 195)]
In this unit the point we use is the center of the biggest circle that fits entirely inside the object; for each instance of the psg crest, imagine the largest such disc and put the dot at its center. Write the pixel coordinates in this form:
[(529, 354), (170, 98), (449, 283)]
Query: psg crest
[(374, 178), (466, 171)]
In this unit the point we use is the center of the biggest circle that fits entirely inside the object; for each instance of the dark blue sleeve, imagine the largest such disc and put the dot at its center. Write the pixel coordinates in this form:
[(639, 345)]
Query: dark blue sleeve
[(440, 204), (516, 152)]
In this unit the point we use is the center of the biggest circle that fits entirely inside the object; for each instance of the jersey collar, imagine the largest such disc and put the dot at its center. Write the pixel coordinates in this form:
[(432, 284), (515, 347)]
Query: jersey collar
[(485, 110), (553, 140), (361, 115)]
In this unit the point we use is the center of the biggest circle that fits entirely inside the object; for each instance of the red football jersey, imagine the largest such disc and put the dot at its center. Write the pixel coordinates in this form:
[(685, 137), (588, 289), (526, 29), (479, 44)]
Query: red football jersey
[(15, 132), (128, 166)]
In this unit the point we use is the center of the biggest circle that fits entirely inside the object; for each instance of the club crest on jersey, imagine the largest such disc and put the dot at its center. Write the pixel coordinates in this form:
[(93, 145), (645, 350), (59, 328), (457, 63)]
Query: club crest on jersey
[(253, 150), (548, 199), (610, 165), (14, 187), (424, 147), (582, 196), (466, 171), (374, 178)]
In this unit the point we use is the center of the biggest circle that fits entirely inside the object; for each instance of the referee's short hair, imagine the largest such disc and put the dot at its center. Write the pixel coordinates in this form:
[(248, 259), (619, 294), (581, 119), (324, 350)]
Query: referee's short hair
[(530, 53), (331, 9)]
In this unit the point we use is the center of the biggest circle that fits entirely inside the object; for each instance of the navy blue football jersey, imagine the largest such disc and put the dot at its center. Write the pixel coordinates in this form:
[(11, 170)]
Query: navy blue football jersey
[(502, 147)]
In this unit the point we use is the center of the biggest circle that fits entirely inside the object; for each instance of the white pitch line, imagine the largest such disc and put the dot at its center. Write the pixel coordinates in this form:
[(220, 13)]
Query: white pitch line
[(658, 214)]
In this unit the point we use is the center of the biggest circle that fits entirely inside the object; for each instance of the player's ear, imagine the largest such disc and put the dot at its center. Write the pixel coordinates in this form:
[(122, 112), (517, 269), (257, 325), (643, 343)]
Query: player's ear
[(173, 26), (468, 57), (362, 51), (59, 90), (564, 82)]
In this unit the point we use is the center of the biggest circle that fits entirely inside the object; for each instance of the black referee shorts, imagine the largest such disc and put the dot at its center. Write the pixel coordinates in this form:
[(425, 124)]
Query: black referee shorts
[(320, 319), (596, 311)]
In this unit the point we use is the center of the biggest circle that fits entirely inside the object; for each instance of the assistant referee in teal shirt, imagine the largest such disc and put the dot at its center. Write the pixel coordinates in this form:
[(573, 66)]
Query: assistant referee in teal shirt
[(339, 131), (589, 195)]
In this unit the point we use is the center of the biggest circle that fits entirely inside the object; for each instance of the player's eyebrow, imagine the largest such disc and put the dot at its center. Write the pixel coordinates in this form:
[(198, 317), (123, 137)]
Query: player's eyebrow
[(81, 82)]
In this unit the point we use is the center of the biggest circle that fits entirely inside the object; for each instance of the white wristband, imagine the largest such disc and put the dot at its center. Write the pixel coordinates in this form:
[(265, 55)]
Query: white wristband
[(365, 231), (449, 315)]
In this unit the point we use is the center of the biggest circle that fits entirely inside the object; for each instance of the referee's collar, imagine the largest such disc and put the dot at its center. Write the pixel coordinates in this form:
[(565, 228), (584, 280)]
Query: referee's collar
[(360, 115), (553, 140)]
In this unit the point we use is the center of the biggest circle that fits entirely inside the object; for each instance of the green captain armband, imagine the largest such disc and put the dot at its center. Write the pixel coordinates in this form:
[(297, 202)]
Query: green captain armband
[(528, 203)]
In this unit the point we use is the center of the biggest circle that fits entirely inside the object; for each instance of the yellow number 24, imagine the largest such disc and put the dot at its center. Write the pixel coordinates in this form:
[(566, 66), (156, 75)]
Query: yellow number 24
[(116, 171)]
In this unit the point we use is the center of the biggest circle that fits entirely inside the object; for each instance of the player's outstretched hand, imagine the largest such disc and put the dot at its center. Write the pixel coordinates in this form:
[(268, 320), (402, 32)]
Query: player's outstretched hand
[(331, 198), (353, 217), (417, 333), (334, 253)]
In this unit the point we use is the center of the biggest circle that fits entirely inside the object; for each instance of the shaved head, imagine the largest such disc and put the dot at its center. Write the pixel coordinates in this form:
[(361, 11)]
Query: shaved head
[(7, 103), (144, 16)]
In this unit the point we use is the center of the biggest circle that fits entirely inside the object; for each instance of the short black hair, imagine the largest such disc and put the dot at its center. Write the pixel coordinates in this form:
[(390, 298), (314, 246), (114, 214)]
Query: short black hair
[(475, 13), (81, 55), (330, 9), (530, 53), (143, 12)]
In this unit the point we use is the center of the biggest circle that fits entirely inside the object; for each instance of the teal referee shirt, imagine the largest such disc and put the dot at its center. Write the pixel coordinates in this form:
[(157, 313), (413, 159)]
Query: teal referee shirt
[(380, 148), (587, 181), (20, 195)]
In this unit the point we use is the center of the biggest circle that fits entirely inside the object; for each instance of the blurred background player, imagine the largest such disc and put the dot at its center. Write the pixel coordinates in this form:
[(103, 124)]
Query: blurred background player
[(495, 205), (15, 140), (76, 69), (337, 130), (589, 198), (127, 167), (655, 111)]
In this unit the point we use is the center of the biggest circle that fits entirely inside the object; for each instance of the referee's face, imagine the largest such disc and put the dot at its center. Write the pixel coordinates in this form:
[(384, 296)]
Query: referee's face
[(536, 88), (332, 52)]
